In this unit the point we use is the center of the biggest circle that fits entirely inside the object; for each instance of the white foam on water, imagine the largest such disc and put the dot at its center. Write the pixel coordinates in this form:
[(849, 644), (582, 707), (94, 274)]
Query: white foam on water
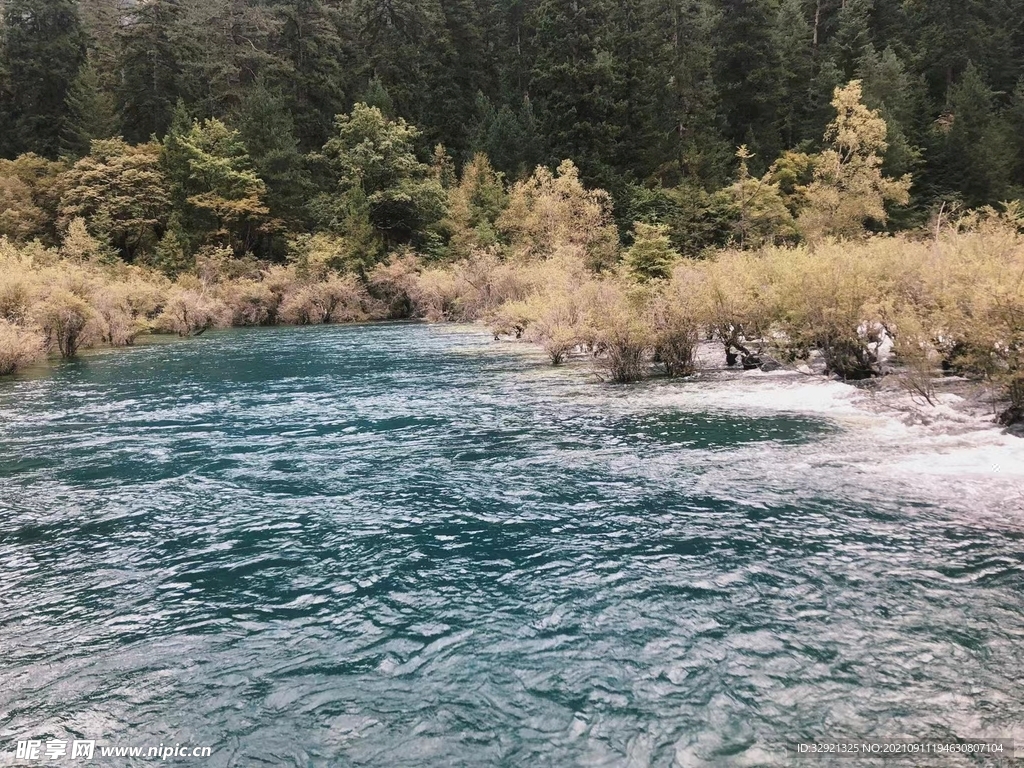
[(940, 454)]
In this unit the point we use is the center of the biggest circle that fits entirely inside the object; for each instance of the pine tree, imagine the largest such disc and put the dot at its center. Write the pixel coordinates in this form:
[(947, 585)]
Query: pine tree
[(947, 35), (510, 139), (376, 95), (43, 49), (101, 20), (90, 113), (311, 41), (969, 145), (794, 39), (573, 85), (150, 71), (222, 47), (852, 35), (686, 141), (474, 206), (899, 99), (267, 129), (1014, 129), (749, 70)]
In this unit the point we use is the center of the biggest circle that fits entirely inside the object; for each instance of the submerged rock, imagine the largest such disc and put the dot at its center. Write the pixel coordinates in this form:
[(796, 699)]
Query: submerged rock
[(1012, 415)]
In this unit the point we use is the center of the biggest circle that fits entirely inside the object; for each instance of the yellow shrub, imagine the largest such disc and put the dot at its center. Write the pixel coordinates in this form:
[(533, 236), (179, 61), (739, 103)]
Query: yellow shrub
[(335, 299), (18, 347), (66, 320), (189, 311)]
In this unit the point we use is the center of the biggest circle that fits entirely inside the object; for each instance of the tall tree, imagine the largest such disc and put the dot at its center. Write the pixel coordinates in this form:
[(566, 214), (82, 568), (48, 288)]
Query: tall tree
[(223, 45), (573, 85), (969, 150), (372, 167), (121, 192), (150, 72), (90, 113), (849, 190), (310, 37), (795, 42), (43, 49), (268, 131), (947, 35), (220, 198), (899, 99), (749, 69)]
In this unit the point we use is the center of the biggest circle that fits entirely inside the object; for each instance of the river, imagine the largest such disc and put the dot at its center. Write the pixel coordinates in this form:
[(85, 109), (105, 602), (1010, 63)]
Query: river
[(408, 545)]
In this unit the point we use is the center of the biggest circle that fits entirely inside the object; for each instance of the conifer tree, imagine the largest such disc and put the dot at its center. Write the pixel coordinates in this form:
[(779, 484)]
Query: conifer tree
[(90, 113), (970, 144), (748, 72), (44, 46), (310, 40), (150, 71), (651, 256), (573, 85), (267, 129)]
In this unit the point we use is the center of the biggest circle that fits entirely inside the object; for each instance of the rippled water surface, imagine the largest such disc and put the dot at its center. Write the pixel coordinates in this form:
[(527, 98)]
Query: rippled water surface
[(410, 546)]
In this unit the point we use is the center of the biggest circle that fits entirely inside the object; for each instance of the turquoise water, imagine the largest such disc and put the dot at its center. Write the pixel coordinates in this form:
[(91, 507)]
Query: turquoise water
[(396, 545)]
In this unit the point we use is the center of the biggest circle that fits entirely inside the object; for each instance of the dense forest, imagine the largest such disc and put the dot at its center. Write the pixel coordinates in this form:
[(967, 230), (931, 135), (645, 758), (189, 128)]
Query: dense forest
[(650, 99)]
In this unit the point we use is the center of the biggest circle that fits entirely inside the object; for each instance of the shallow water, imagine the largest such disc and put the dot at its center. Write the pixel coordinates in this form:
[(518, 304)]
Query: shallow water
[(408, 545)]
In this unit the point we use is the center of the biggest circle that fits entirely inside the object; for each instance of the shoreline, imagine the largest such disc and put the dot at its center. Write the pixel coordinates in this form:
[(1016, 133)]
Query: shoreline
[(959, 403)]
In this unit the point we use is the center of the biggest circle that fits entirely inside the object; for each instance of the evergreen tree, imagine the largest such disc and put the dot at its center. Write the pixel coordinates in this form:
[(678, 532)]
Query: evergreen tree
[(574, 85), (687, 142), (947, 35), (968, 145), (899, 99), (474, 207), (794, 39), (760, 212), (852, 35), (101, 20), (150, 72), (310, 40), (376, 95), (44, 46), (1014, 129), (651, 256), (749, 69), (509, 138), (268, 132), (222, 46), (90, 113)]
